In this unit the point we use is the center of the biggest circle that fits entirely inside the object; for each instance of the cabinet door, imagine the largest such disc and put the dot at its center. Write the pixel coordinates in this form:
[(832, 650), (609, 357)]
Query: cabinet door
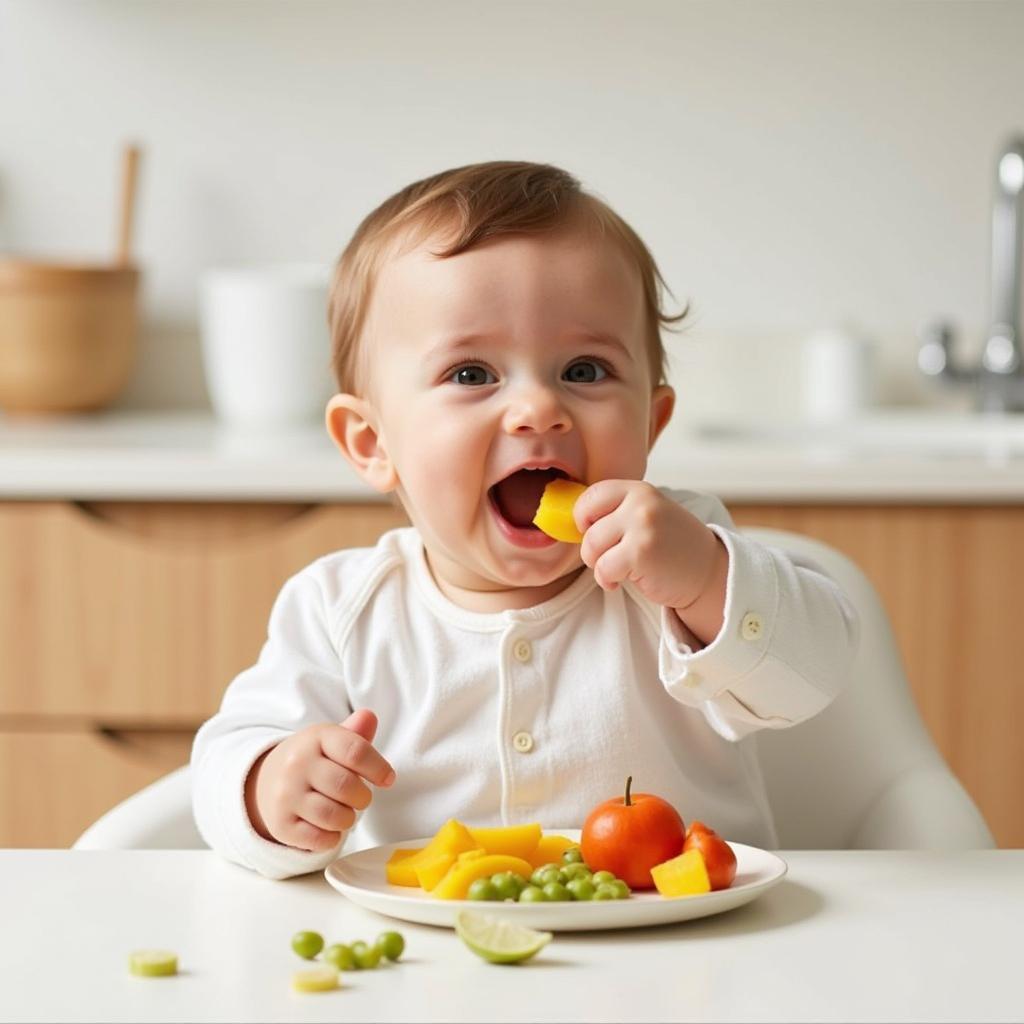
[(950, 579), (142, 613), (57, 783)]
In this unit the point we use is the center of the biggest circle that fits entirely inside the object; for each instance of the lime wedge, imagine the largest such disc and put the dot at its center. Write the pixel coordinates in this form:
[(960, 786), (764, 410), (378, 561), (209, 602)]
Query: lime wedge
[(321, 978), (153, 963), (497, 940)]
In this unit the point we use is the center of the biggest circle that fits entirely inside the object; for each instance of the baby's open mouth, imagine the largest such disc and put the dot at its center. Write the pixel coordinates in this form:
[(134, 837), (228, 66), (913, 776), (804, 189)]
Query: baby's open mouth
[(517, 496)]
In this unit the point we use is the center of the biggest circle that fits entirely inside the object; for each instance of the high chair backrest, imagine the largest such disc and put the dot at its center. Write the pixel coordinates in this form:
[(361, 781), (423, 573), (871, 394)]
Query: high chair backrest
[(863, 774)]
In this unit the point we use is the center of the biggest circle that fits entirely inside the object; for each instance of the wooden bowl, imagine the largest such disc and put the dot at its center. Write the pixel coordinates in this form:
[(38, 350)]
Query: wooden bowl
[(68, 335)]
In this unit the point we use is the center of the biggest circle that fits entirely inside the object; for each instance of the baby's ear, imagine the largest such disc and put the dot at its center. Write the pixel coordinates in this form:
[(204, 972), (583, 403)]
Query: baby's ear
[(663, 400), (352, 424)]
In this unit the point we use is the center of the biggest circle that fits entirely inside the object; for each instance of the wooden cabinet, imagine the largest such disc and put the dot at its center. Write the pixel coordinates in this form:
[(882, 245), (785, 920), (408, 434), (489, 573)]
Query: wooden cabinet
[(120, 626), (121, 623)]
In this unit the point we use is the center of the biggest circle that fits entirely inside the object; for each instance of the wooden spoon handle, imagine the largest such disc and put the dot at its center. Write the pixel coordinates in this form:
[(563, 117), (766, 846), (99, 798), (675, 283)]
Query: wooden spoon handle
[(129, 175)]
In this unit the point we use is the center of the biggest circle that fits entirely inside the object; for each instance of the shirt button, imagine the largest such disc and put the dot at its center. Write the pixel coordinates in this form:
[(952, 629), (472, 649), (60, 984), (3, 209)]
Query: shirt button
[(751, 627), (523, 742), (522, 651), (691, 679)]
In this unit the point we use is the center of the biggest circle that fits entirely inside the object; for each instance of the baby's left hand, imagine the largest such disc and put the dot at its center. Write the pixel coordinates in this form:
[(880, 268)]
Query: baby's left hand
[(631, 531)]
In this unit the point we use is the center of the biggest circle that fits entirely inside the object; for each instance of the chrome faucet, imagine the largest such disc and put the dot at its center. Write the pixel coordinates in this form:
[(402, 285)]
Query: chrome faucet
[(999, 380)]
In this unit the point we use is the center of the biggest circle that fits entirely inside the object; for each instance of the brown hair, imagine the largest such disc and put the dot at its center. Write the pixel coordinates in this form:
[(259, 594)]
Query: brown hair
[(480, 201)]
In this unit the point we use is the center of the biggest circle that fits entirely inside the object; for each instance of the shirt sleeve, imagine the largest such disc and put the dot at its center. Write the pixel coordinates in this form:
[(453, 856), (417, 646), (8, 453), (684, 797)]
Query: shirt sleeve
[(296, 682), (787, 642)]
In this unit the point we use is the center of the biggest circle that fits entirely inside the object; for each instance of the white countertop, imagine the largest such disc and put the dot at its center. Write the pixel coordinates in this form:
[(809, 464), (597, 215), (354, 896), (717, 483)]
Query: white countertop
[(866, 936), (897, 457)]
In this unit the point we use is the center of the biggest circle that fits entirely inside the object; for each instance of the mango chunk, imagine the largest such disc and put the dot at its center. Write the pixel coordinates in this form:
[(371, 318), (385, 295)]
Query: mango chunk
[(398, 869), (685, 875), (515, 840), (554, 514), (549, 850), (430, 871), (452, 838), (460, 876)]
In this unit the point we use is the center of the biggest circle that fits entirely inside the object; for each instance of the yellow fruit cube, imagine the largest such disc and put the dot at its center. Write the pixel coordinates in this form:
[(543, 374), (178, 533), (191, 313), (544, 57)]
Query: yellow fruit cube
[(554, 514), (549, 850), (399, 870), (685, 875), (431, 870), (460, 876), (452, 837), (515, 840)]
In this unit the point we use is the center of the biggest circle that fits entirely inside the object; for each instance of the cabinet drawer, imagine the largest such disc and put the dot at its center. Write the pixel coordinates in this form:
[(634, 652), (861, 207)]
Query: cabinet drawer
[(56, 783), (142, 613)]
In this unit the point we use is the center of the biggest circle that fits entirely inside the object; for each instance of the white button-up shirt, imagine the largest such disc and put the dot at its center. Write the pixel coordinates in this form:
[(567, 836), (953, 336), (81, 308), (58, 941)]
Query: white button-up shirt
[(536, 714)]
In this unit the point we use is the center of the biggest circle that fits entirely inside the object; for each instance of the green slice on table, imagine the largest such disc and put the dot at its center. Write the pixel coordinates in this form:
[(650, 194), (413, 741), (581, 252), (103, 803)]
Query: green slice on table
[(322, 978), (496, 940), (153, 963)]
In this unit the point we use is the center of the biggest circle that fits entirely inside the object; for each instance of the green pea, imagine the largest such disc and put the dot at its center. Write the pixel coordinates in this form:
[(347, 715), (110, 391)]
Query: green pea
[(572, 856), (391, 945), (555, 892), (622, 890), (605, 891), (482, 889), (548, 873), (340, 956), (307, 944), (581, 889), (366, 957), (532, 894), (603, 876), (505, 885), (576, 871)]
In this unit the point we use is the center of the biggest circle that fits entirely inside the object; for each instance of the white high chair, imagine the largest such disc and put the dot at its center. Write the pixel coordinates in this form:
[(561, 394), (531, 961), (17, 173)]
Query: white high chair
[(863, 774)]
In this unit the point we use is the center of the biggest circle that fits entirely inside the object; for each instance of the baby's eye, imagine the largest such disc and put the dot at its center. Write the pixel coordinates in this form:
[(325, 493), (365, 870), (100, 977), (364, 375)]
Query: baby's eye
[(585, 371), (472, 375)]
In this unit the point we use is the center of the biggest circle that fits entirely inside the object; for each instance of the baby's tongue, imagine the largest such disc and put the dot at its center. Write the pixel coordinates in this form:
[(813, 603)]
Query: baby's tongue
[(518, 495)]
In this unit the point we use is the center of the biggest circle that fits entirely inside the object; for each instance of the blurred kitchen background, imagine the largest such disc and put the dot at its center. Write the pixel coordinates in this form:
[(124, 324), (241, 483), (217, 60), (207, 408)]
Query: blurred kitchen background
[(818, 180), (793, 166)]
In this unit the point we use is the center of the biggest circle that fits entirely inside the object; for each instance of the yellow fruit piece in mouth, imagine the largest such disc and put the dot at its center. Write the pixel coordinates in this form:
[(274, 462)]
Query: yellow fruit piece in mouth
[(554, 514)]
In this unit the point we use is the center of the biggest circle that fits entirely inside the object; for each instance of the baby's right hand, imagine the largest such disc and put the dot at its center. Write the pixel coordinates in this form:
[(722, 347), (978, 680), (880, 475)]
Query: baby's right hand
[(305, 791)]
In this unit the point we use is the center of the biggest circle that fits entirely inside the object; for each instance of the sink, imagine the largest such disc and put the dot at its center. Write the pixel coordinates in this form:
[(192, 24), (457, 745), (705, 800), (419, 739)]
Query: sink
[(896, 433)]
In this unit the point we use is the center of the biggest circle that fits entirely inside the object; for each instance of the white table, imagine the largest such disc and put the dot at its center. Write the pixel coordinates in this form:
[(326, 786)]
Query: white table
[(847, 936)]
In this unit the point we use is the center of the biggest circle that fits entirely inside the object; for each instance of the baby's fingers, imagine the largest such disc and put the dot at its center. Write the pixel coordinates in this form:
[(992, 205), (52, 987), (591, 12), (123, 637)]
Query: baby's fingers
[(304, 835), (325, 814), (341, 784), (351, 751)]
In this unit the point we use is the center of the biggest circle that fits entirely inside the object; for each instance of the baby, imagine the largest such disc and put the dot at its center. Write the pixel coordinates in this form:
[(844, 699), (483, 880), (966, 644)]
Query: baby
[(495, 327)]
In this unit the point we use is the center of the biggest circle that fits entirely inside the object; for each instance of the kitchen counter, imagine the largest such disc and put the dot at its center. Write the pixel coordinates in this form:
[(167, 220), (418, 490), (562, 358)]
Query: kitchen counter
[(848, 935), (899, 456)]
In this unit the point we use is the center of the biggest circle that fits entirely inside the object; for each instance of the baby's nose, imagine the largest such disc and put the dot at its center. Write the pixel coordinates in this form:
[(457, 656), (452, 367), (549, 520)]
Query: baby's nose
[(536, 410)]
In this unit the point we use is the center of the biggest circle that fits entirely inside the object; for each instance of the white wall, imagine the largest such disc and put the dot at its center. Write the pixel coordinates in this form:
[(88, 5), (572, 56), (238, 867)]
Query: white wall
[(790, 164)]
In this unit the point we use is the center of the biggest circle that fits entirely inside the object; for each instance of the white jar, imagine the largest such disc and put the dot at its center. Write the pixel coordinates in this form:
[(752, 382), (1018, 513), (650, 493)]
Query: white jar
[(265, 343), (838, 375)]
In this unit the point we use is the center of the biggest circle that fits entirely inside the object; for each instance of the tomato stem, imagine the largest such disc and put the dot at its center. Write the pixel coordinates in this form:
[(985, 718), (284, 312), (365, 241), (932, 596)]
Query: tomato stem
[(629, 782)]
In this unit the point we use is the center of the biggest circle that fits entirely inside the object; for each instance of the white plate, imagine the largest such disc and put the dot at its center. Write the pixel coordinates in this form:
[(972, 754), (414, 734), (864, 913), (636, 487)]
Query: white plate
[(360, 876)]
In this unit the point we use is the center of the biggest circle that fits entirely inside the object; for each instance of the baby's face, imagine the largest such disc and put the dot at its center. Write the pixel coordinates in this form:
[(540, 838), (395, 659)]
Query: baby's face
[(528, 351)]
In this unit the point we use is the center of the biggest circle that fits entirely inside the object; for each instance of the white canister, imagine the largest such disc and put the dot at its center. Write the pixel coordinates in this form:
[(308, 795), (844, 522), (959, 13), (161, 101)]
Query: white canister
[(837, 373), (265, 343)]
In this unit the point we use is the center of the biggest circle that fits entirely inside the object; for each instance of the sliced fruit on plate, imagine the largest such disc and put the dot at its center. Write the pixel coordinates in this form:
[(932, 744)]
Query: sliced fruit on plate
[(452, 837), (515, 840), (549, 849), (401, 868), (455, 884), (497, 940), (685, 875)]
